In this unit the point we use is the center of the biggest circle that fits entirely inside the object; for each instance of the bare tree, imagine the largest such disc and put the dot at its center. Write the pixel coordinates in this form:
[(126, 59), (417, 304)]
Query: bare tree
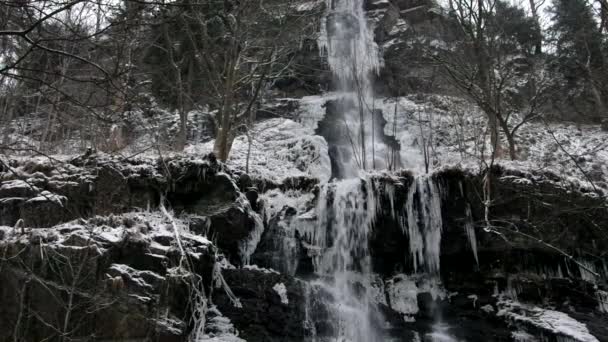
[(482, 64)]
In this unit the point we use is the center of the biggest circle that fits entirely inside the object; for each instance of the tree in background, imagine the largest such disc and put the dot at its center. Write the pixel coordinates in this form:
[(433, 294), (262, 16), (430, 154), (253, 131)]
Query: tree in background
[(59, 70), (492, 62), (579, 55), (223, 55)]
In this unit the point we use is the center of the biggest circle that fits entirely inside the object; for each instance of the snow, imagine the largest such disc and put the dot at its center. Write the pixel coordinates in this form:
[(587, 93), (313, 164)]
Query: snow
[(16, 184), (47, 196), (402, 293), (440, 333), (260, 269), (556, 322), (281, 148), (281, 290), (454, 128), (308, 5), (522, 336), (399, 27), (276, 200), (218, 328), (487, 308), (474, 298)]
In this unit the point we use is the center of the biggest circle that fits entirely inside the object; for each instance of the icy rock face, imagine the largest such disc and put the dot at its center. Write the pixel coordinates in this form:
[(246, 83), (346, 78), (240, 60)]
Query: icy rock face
[(549, 321), (119, 269), (433, 228), (269, 312), (43, 195)]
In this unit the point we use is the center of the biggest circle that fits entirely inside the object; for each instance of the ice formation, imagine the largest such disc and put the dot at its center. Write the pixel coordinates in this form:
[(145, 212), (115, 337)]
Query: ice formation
[(347, 41), (424, 224), (281, 290)]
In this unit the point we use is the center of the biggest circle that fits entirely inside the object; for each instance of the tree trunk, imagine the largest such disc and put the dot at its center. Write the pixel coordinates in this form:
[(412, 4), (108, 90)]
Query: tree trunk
[(538, 45), (180, 142), (8, 110), (603, 16), (494, 134), (510, 135), (223, 144)]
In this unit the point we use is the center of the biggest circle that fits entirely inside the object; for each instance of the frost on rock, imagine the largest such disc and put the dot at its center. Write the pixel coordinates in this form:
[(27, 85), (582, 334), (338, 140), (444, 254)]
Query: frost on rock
[(280, 149), (403, 294), (275, 200), (403, 290), (260, 269), (281, 290), (555, 322), (523, 336), (487, 308), (454, 127), (248, 246), (47, 196), (219, 328)]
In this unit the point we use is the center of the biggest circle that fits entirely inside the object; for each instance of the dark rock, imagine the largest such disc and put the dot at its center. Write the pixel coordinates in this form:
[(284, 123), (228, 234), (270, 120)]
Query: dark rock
[(253, 196), (263, 317), (279, 247), (112, 300), (245, 182)]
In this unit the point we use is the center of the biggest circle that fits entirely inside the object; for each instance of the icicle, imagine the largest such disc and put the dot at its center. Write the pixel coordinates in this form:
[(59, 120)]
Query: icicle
[(390, 193), (470, 230), (602, 299), (587, 270), (309, 324), (424, 224), (248, 246)]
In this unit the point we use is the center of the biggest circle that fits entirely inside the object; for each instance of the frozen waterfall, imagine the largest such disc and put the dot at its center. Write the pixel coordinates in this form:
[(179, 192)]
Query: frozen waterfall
[(347, 41)]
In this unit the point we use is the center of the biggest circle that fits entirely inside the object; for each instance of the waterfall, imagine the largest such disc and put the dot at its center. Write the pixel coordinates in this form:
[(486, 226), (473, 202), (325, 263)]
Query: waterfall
[(346, 209), (347, 41), (345, 215)]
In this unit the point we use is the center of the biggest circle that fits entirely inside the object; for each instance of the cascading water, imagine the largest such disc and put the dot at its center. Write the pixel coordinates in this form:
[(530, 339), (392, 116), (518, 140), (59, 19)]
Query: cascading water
[(352, 54), (346, 212), (347, 209)]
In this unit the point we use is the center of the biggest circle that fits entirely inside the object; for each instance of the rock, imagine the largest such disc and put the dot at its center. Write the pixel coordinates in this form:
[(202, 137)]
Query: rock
[(113, 300), (263, 316), (17, 188), (280, 248)]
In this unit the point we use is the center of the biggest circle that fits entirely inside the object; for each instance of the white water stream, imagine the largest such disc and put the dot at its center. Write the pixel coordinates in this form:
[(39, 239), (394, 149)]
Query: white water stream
[(347, 41), (347, 208)]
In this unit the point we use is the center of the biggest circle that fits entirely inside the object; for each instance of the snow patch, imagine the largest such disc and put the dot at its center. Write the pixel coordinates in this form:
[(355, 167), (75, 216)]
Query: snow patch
[(260, 269), (281, 290), (552, 321)]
